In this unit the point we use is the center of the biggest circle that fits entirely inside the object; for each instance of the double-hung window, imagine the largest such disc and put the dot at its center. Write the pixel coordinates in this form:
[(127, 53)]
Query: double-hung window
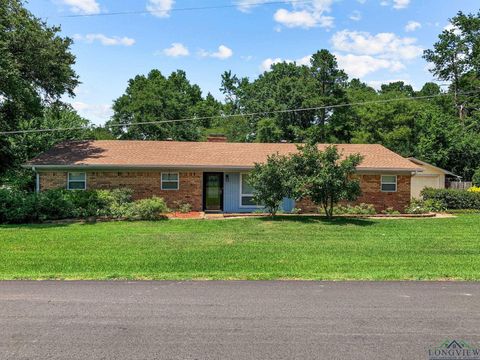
[(77, 181), (246, 192), (389, 183), (170, 181)]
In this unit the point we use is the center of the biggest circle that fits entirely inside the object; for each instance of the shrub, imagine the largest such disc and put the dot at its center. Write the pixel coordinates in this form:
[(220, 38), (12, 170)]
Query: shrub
[(360, 209), (476, 178), (390, 211), (183, 207), (453, 198), (147, 209), (420, 206), (21, 206), (474, 189), (17, 206)]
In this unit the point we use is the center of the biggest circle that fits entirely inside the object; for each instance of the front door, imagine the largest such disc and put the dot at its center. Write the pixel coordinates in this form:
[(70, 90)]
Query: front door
[(213, 191)]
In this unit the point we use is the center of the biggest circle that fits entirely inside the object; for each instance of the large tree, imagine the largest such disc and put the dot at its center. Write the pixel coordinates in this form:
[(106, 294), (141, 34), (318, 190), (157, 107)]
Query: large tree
[(287, 86), (455, 58), (35, 70), (156, 98)]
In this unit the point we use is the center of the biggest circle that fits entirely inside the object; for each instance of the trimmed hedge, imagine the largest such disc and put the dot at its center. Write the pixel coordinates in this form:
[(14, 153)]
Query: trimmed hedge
[(23, 207), (453, 198)]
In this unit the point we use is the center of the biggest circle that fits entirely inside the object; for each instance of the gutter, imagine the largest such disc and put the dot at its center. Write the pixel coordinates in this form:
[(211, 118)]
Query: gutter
[(196, 167)]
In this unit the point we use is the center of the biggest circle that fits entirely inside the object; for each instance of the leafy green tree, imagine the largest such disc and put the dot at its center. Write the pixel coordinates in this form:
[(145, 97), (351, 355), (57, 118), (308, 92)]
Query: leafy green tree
[(268, 131), (288, 86), (27, 145), (35, 70), (324, 177), (476, 178), (156, 98), (271, 182), (456, 58)]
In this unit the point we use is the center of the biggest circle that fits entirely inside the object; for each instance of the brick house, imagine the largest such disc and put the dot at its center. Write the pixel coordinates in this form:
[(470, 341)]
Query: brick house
[(211, 176)]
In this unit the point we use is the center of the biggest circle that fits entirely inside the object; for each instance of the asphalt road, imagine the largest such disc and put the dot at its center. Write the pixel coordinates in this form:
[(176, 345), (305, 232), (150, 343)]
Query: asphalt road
[(234, 320)]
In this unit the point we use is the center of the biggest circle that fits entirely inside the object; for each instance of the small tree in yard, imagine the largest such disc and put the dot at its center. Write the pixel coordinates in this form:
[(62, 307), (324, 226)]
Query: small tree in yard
[(270, 182), (323, 177)]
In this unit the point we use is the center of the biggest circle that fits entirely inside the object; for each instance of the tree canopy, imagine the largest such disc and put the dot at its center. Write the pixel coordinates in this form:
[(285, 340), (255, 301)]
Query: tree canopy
[(35, 70)]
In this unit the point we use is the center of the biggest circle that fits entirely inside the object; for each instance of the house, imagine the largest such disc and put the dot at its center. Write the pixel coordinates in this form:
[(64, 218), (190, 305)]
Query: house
[(430, 176), (211, 176)]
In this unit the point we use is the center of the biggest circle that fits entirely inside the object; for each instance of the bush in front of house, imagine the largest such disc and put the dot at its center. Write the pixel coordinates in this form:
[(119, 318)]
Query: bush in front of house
[(360, 209), (147, 209), (18, 207), (422, 206), (453, 198)]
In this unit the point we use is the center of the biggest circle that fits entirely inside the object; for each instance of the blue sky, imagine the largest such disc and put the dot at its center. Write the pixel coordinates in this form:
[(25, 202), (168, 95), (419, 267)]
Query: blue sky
[(375, 40)]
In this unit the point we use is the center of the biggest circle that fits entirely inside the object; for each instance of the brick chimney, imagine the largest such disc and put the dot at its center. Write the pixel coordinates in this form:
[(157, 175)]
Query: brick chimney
[(216, 138)]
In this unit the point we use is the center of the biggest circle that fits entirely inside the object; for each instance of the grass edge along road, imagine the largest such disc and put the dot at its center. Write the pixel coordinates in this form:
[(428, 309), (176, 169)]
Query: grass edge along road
[(304, 248)]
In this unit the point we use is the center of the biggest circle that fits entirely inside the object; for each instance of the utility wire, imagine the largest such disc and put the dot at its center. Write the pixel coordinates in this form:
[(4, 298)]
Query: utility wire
[(335, 106), (193, 8)]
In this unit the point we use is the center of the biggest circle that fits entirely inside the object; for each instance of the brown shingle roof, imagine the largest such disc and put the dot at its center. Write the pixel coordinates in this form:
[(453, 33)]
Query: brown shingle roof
[(122, 153)]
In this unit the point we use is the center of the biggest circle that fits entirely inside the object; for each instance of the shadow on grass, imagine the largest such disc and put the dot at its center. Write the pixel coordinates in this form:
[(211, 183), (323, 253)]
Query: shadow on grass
[(320, 219), (34, 226)]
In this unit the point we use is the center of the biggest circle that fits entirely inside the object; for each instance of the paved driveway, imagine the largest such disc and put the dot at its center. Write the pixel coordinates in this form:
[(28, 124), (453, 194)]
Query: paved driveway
[(234, 320)]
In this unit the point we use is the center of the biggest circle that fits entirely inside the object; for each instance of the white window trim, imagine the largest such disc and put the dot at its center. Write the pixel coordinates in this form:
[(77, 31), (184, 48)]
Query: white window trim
[(242, 195), (388, 183), (68, 180), (177, 181)]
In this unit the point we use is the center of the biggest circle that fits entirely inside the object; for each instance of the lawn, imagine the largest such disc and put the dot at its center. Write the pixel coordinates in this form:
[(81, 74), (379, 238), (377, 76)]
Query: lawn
[(282, 248)]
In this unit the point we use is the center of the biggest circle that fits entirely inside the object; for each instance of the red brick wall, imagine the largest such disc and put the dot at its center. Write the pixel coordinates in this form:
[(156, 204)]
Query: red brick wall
[(371, 194), (144, 185)]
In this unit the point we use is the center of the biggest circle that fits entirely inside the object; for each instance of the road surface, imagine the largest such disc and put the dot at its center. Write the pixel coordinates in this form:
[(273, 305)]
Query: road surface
[(234, 320)]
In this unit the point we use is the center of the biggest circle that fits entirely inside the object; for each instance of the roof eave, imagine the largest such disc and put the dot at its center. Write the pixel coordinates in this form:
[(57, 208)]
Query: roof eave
[(170, 166)]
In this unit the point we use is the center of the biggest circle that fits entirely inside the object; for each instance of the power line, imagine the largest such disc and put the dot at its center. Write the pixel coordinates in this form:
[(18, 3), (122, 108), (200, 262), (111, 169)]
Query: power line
[(335, 106), (193, 8)]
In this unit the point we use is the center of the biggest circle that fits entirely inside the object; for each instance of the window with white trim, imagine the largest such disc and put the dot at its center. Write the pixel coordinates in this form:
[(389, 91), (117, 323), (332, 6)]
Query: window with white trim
[(170, 181), (77, 181), (389, 183), (246, 192)]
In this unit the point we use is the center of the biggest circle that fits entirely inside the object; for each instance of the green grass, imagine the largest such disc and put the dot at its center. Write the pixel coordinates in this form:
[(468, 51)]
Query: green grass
[(282, 248)]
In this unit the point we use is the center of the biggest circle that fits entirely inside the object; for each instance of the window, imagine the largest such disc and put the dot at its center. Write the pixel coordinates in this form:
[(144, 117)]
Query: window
[(77, 181), (170, 181), (389, 183), (246, 192)]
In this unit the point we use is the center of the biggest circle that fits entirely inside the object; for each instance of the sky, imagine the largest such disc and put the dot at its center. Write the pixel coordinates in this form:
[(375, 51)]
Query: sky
[(377, 41)]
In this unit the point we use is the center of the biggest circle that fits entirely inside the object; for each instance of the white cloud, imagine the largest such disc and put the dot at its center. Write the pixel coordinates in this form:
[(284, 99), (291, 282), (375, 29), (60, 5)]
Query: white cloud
[(247, 5), (222, 53), (412, 26), (98, 113), (451, 27), (362, 1), (377, 84), (267, 63), (356, 16), (358, 66), (400, 4), (83, 6), (306, 14), (295, 18), (397, 4), (160, 8), (105, 40), (176, 50), (383, 45)]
